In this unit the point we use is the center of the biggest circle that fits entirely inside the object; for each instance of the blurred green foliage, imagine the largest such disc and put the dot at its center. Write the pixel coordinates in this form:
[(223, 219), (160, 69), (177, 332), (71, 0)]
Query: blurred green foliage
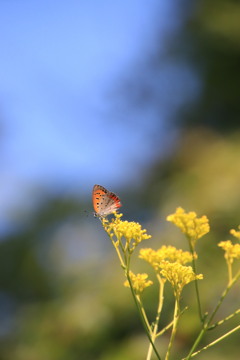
[(211, 43)]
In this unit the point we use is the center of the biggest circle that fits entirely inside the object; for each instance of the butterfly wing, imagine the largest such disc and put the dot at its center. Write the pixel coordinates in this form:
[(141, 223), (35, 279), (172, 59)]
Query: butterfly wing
[(104, 201)]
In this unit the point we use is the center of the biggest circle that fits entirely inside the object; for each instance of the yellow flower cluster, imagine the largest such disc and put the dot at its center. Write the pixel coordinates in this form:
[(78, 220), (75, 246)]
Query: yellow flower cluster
[(178, 275), (190, 224), (236, 233), (110, 226), (139, 282), (231, 251), (131, 231), (169, 253)]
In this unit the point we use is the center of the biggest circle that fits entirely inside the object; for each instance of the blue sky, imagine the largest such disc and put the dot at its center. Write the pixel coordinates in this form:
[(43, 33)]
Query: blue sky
[(61, 123)]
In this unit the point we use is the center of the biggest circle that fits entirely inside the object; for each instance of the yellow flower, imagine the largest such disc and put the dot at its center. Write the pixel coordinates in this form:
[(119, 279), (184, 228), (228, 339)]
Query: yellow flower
[(236, 233), (170, 253), (178, 275), (231, 251), (139, 282), (152, 257), (189, 224), (131, 231), (110, 226)]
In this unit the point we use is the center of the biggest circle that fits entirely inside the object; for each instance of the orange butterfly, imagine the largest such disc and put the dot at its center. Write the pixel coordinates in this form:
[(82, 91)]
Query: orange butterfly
[(104, 202)]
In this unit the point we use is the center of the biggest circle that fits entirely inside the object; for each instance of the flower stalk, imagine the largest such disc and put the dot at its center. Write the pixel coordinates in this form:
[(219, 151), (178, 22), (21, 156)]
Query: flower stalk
[(171, 265), (176, 317), (159, 310)]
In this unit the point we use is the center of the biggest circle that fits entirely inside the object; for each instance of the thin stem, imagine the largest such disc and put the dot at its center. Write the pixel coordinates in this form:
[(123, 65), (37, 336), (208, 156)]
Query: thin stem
[(195, 281), (222, 297), (174, 329), (225, 292), (123, 265), (144, 313), (169, 325), (207, 323), (197, 341), (126, 266), (165, 329), (159, 309), (205, 327), (140, 309), (224, 320), (229, 265), (215, 341), (121, 245), (236, 277)]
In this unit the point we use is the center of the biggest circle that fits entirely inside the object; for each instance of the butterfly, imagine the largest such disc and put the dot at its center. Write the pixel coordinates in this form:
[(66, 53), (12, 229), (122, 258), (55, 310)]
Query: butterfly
[(104, 202)]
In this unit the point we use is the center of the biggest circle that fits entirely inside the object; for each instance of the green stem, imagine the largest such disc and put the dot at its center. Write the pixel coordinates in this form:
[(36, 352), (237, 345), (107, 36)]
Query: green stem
[(205, 326), (165, 329), (197, 341), (225, 292), (144, 313), (215, 341), (229, 265), (207, 323), (140, 310), (121, 246), (220, 322), (196, 281), (159, 309), (174, 328), (123, 265), (169, 325)]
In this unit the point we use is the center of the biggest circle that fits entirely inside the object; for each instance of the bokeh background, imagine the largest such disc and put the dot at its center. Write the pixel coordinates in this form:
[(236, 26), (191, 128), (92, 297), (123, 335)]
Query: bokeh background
[(142, 97)]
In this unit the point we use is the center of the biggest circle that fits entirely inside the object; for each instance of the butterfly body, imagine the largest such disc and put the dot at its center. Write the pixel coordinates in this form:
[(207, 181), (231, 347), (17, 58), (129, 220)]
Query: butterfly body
[(104, 202)]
